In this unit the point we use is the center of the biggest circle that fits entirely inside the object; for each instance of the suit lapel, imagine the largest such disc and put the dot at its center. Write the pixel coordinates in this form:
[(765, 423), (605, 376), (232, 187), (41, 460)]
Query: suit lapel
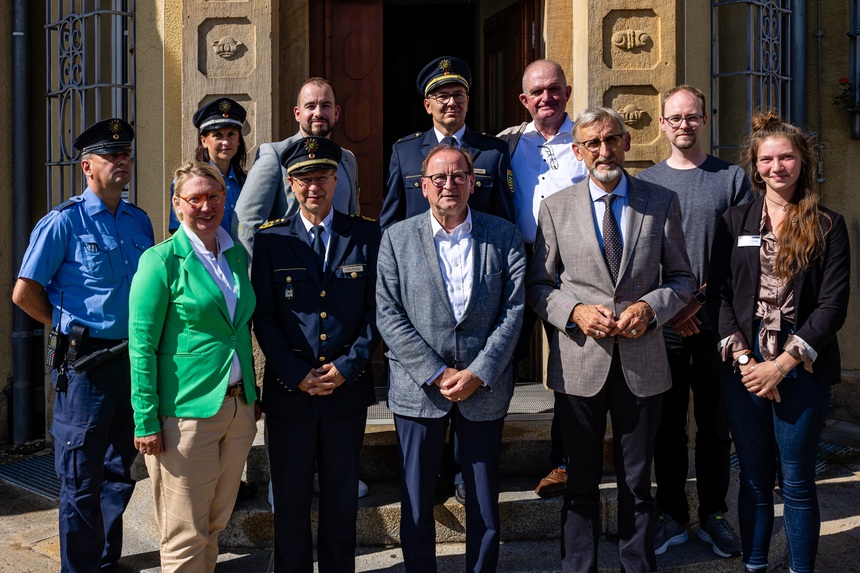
[(752, 226), (197, 273), (428, 142), (581, 213), (431, 261), (467, 143), (337, 246), (305, 252), (637, 203), (239, 267)]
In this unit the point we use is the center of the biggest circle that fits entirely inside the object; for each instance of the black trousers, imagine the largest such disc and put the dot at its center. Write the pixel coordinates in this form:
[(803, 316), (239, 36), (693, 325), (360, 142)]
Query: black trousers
[(634, 427), (694, 364)]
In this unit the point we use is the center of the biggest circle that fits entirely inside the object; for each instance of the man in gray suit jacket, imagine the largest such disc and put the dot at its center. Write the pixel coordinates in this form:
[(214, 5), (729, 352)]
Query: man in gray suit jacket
[(450, 301), (610, 268), (265, 195)]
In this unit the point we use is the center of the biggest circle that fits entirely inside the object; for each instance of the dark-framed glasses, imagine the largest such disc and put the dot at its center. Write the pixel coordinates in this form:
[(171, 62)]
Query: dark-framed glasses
[(443, 98), (549, 157), (305, 182), (694, 120), (611, 141), (439, 179), (197, 200)]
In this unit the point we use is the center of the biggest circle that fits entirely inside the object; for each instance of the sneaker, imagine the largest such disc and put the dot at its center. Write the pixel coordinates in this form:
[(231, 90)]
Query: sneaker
[(554, 484), (362, 487), (717, 531), (667, 532)]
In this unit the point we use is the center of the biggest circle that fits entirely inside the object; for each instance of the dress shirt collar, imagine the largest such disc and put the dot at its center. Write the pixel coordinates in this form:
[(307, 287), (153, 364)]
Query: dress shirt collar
[(326, 222), (565, 131), (462, 230), (458, 135), (597, 193), (225, 241)]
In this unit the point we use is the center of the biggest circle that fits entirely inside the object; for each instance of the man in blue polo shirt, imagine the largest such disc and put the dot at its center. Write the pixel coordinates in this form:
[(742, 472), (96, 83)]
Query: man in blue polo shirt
[(75, 277)]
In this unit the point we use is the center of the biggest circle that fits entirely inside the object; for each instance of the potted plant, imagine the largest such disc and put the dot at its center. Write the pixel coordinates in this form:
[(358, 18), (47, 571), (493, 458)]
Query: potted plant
[(847, 99)]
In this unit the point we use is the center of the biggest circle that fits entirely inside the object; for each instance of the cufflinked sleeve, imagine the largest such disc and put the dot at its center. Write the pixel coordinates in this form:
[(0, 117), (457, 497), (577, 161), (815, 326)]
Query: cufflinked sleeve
[(148, 302)]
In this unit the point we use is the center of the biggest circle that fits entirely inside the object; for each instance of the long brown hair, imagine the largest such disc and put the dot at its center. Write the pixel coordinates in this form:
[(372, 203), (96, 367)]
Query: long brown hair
[(801, 241), (238, 160)]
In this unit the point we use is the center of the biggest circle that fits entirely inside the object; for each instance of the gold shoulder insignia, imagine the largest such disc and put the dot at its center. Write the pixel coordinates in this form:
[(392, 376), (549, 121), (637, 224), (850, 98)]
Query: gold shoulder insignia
[(272, 223), (371, 219)]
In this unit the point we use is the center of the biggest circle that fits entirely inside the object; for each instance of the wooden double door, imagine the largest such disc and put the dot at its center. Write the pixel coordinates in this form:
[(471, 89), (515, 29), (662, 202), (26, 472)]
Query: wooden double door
[(372, 50)]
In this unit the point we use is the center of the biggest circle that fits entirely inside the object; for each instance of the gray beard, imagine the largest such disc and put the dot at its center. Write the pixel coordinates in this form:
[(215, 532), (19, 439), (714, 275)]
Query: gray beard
[(604, 175)]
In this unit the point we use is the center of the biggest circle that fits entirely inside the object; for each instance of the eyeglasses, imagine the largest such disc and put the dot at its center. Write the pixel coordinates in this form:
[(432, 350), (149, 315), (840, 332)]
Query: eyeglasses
[(439, 179), (692, 120), (305, 182), (611, 141), (550, 158), (197, 201), (443, 98)]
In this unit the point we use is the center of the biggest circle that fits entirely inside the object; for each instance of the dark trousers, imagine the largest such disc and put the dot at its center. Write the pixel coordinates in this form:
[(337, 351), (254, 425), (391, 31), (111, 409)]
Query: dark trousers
[(297, 448), (693, 361), (93, 449), (634, 427), (420, 443)]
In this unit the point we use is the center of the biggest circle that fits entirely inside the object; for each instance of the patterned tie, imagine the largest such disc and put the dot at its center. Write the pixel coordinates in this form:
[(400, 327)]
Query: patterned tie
[(611, 239), (319, 246), (450, 140)]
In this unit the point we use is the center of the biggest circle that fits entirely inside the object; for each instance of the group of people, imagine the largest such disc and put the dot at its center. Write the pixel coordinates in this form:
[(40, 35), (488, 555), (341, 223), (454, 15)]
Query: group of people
[(648, 287)]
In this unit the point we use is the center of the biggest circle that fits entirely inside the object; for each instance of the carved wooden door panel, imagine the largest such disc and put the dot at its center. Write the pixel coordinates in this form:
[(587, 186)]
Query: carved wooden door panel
[(351, 58)]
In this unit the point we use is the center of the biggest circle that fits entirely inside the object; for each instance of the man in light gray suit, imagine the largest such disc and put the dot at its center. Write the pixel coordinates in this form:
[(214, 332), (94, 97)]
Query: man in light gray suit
[(610, 268), (450, 301), (266, 194)]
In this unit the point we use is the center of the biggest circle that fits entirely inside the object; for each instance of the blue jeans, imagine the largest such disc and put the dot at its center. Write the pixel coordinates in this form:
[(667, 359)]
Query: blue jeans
[(778, 440)]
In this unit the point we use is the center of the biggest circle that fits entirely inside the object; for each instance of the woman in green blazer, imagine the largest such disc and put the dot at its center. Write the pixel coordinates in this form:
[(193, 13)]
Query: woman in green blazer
[(192, 371)]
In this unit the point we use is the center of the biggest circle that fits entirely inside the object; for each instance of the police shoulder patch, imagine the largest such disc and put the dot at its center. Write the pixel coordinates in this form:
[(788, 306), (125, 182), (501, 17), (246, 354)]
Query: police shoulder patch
[(510, 178)]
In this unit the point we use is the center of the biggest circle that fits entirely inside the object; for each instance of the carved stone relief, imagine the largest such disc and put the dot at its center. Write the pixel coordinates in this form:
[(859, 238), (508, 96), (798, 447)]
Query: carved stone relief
[(223, 47), (631, 39), (640, 108)]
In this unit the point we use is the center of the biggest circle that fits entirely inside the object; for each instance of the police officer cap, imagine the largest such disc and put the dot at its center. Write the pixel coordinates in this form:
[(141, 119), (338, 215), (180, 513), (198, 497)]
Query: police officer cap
[(311, 154), (107, 136), (441, 71), (221, 112)]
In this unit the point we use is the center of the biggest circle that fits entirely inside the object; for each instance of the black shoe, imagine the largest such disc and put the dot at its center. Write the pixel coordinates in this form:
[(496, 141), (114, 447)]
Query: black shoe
[(460, 493), (246, 491)]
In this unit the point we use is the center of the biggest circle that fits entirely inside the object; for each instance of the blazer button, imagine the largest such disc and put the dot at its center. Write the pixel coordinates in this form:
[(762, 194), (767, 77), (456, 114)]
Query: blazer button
[(354, 275), (477, 183), (323, 336), (289, 279), (322, 293), (322, 358), (323, 314), (416, 184), (616, 298)]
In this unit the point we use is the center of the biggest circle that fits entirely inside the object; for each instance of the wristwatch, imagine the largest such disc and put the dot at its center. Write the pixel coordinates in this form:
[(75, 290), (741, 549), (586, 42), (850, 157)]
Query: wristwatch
[(700, 297), (741, 360)]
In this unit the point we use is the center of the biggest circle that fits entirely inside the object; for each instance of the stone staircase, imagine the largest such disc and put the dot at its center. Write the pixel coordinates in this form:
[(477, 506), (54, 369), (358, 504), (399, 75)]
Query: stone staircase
[(530, 525)]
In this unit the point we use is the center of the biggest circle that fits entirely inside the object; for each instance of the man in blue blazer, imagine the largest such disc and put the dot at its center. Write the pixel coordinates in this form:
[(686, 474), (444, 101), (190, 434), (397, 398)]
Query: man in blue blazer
[(444, 84), (450, 301), (315, 278)]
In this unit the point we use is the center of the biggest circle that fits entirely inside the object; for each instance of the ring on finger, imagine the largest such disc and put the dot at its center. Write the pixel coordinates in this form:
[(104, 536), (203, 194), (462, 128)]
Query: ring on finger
[(633, 332)]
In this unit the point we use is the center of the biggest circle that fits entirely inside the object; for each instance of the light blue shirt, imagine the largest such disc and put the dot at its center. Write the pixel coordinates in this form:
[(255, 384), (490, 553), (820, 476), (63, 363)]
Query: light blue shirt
[(619, 208), (86, 255), (326, 234)]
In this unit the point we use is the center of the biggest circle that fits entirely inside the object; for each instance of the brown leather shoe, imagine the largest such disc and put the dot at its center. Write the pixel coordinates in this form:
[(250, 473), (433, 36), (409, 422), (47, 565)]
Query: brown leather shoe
[(554, 484)]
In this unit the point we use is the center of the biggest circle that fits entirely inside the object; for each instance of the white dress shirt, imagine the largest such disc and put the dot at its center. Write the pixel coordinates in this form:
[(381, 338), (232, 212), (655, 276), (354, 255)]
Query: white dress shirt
[(222, 275), (458, 135), (454, 251), (326, 234), (542, 167)]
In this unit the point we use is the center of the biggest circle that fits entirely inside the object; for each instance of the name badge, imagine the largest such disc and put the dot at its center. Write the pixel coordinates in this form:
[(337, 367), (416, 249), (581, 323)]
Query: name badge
[(93, 247), (749, 241), (480, 171), (352, 268)]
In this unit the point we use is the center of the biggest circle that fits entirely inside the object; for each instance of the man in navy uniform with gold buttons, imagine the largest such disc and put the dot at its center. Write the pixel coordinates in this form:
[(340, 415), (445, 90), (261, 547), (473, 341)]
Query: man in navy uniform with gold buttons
[(315, 278), (444, 83), (76, 274)]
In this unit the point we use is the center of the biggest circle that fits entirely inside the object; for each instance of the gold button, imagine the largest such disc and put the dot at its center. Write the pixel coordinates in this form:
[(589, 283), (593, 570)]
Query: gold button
[(289, 279), (354, 275), (323, 336), (415, 184), (322, 293), (322, 358), (477, 183), (323, 314)]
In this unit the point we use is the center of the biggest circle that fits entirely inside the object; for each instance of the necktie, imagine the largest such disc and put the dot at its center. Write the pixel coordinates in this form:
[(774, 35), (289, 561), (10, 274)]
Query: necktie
[(319, 246), (611, 239), (449, 140)]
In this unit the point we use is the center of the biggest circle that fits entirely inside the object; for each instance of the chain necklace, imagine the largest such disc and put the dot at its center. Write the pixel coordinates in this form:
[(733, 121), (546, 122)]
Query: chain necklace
[(783, 205)]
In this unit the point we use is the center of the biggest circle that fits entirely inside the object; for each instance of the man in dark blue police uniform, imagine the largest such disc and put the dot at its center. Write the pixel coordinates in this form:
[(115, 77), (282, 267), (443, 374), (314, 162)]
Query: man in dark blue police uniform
[(444, 83), (75, 277), (315, 278)]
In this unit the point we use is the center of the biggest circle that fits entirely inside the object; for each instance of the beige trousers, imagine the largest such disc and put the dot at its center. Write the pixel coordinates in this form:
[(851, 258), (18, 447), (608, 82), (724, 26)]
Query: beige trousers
[(195, 481)]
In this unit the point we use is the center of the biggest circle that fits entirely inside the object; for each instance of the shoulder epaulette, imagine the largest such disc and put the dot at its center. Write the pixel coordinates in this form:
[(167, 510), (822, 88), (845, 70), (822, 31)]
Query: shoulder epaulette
[(370, 219), (66, 204), (273, 223), (130, 204), (410, 136)]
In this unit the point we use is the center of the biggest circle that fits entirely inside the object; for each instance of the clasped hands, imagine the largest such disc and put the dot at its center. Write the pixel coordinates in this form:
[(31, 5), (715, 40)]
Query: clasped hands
[(597, 321), (457, 385), (761, 378), (321, 381)]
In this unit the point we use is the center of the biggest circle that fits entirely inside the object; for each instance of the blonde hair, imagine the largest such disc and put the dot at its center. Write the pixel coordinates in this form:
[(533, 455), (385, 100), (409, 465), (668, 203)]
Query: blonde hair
[(188, 171)]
